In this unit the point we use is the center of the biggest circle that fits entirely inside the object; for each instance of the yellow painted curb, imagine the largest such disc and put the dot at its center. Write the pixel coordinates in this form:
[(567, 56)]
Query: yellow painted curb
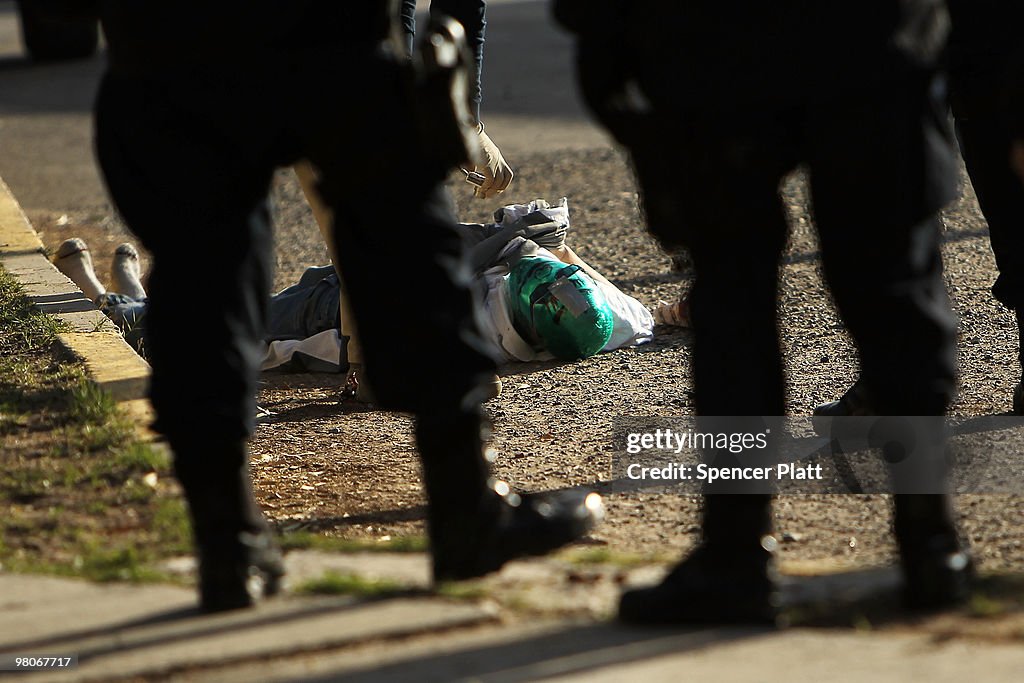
[(110, 363), (16, 235), (140, 412), (122, 375)]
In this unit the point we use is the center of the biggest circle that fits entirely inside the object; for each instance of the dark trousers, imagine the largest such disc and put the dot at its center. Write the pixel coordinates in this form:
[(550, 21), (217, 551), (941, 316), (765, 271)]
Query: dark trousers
[(189, 157), (880, 166), (472, 14), (985, 143)]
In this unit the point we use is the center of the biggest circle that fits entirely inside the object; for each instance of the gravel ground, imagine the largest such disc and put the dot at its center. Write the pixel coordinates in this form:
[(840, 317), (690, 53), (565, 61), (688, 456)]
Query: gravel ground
[(324, 462)]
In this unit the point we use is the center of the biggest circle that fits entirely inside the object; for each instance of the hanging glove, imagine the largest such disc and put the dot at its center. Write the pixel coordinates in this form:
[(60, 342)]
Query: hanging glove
[(495, 171)]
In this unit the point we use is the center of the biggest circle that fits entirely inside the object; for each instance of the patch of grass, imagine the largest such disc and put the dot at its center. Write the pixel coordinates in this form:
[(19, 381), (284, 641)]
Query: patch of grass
[(307, 540), (982, 606), (22, 328), (338, 583), (123, 465), (30, 382), (994, 596), (997, 595), (142, 458), (516, 601), (93, 563), (462, 590), (102, 324), (74, 500), (134, 492), (606, 556), (90, 405), (24, 485), (95, 423), (864, 614), (100, 437), (171, 524), (119, 564), (861, 623)]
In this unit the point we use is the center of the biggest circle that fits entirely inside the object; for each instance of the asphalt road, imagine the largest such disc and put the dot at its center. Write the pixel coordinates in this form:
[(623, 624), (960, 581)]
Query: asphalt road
[(45, 130)]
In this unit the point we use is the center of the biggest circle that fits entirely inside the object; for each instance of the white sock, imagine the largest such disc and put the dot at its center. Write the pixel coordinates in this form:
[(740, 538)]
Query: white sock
[(74, 261), (125, 272)]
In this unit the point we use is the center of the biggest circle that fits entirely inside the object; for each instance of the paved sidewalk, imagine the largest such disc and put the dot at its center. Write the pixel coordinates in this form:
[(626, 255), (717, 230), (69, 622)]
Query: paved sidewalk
[(124, 632)]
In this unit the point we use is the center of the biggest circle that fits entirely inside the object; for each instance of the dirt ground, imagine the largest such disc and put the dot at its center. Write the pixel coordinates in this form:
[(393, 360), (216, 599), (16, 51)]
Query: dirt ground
[(325, 463)]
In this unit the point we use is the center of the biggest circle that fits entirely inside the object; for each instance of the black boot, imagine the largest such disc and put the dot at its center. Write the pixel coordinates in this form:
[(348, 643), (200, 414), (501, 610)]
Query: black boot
[(854, 403), (937, 570), (239, 563), (477, 524), (729, 579)]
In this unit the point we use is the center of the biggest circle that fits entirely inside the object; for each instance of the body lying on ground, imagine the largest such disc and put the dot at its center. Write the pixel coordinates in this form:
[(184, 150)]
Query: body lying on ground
[(538, 299)]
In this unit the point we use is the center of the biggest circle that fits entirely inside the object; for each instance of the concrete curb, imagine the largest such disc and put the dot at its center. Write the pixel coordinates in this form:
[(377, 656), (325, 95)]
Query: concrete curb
[(110, 363)]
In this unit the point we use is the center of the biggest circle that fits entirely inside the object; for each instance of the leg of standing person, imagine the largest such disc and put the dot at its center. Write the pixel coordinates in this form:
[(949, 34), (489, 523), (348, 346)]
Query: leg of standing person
[(984, 58), (183, 163), (891, 144), (746, 114), (986, 143), (188, 150), (983, 48), (727, 213), (475, 522), (913, 371)]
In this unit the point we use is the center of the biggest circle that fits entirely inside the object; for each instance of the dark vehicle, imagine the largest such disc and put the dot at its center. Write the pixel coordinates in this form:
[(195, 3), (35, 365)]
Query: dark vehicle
[(55, 30)]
